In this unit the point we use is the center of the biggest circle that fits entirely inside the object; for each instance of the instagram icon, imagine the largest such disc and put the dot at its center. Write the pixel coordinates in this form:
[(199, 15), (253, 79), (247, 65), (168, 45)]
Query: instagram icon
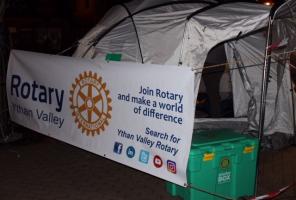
[(171, 166)]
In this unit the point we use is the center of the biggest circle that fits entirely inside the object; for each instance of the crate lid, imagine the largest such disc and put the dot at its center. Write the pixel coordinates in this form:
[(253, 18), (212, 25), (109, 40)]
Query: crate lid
[(210, 137)]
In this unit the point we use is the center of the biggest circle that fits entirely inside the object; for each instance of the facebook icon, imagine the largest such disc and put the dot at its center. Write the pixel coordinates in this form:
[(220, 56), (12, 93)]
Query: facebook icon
[(117, 148)]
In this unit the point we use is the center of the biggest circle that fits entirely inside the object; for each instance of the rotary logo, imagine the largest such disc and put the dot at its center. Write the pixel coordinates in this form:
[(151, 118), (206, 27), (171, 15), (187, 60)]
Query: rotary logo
[(91, 103)]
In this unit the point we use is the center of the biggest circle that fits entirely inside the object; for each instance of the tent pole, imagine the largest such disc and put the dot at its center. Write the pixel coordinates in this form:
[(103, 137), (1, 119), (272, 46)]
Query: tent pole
[(264, 86), (293, 106), (136, 30)]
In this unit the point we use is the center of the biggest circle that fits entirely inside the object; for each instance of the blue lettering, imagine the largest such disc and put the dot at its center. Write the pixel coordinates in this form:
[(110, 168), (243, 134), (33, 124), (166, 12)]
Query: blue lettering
[(25, 90), (35, 86), (59, 99), (37, 92), (15, 83)]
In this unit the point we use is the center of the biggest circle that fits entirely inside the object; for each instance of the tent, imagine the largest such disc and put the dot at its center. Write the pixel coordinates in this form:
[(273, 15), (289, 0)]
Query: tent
[(257, 40)]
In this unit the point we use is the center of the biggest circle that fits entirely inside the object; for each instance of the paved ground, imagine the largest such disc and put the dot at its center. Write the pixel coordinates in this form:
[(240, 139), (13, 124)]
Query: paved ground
[(41, 168), (278, 169)]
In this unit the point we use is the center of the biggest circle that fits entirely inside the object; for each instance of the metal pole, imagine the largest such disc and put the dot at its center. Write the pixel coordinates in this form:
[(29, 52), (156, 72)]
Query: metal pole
[(264, 86), (293, 105)]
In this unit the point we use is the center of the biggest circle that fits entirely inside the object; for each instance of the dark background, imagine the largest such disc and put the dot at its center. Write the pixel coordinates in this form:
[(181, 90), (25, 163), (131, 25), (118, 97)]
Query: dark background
[(50, 26)]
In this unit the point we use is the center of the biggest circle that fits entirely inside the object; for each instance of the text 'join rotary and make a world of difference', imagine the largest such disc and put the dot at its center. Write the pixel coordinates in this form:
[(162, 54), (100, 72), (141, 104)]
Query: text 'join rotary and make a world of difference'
[(156, 103)]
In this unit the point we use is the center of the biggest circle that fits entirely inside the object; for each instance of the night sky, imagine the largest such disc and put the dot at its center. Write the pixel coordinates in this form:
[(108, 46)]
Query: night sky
[(61, 8), (50, 26)]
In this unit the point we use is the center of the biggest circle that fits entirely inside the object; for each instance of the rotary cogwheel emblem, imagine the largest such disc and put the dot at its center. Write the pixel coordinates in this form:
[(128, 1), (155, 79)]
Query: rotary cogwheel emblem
[(91, 103)]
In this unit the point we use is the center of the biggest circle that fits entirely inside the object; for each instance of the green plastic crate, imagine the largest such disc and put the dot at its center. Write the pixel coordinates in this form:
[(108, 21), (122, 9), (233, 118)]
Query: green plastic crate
[(222, 162)]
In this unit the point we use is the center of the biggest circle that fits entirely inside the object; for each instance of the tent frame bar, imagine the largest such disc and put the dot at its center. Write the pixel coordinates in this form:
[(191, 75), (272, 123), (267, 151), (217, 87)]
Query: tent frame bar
[(293, 104), (210, 6), (136, 30), (264, 87), (96, 40)]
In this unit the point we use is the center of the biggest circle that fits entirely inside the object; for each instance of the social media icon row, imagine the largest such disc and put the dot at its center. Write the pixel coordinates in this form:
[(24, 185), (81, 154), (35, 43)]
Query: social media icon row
[(171, 165), (118, 147), (144, 157), (130, 152)]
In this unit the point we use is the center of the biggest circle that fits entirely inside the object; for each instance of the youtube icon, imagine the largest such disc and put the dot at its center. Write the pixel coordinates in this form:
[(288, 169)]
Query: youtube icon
[(157, 161)]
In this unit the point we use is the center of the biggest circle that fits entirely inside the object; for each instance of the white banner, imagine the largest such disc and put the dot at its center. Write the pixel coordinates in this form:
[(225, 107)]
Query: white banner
[(136, 114)]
